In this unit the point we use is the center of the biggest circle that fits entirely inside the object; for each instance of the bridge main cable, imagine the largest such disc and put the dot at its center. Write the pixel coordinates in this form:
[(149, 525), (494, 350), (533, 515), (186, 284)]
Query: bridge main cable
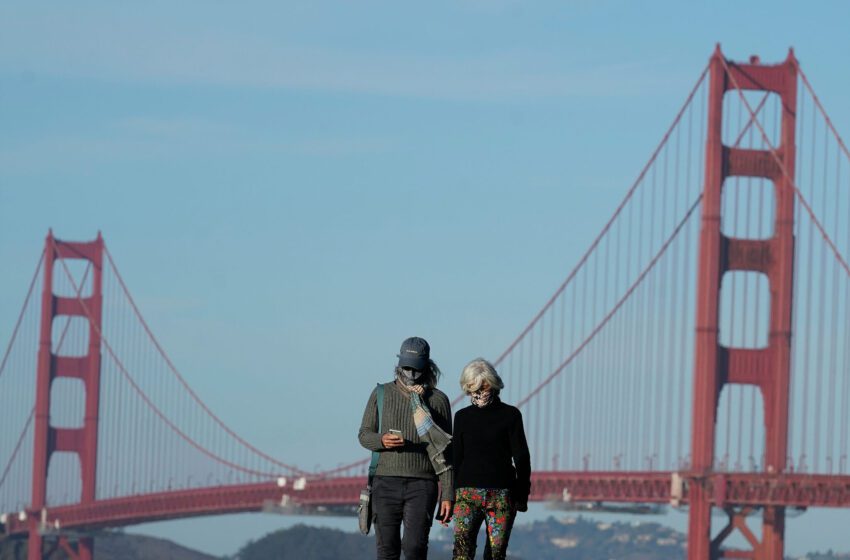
[(781, 164), (582, 261), (146, 399), (183, 381)]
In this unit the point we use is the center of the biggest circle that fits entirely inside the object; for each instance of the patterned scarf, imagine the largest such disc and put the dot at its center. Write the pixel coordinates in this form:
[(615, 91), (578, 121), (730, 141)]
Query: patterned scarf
[(435, 438)]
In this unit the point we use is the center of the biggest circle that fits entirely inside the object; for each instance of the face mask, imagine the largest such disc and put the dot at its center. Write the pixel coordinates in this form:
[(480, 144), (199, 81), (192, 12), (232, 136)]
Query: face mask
[(481, 398), (409, 377)]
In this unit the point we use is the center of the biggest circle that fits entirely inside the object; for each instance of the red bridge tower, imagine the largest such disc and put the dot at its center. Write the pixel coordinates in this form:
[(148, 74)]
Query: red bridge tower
[(48, 438), (715, 365)]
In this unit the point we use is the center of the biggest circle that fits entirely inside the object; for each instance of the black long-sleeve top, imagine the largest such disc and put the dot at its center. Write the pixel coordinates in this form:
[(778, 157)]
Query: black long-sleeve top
[(490, 450)]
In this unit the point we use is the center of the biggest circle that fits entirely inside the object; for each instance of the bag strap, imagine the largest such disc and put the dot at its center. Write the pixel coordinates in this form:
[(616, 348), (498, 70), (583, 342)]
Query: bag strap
[(379, 401)]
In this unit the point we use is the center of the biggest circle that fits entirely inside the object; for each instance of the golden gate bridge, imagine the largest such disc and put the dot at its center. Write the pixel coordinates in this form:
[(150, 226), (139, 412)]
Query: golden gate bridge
[(698, 355)]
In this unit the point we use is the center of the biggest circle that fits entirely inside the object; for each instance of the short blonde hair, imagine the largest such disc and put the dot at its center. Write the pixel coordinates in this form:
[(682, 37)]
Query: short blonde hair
[(476, 373)]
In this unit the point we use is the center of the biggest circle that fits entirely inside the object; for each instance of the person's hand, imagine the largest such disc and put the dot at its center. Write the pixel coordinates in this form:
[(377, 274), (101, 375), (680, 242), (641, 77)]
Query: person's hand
[(521, 506), (391, 441), (445, 513)]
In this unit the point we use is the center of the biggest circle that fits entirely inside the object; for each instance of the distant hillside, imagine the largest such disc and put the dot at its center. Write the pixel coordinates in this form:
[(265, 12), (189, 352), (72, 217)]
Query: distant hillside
[(303, 542), (116, 546), (570, 538), (577, 538), (566, 538)]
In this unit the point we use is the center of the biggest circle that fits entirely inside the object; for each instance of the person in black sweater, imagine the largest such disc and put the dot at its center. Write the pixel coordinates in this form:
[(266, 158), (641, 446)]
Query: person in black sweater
[(492, 464)]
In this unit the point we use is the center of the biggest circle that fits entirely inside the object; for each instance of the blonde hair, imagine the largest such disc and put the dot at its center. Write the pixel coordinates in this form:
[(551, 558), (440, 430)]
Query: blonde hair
[(476, 373)]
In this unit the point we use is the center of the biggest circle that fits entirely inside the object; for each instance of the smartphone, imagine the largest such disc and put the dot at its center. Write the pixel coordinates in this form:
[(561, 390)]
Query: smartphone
[(396, 433)]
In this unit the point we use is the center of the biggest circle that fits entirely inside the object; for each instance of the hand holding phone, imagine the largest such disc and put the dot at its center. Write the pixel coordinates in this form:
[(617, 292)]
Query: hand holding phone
[(392, 439)]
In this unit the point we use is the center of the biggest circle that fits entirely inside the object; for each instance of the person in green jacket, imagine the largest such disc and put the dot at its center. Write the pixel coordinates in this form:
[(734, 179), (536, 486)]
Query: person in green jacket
[(413, 445)]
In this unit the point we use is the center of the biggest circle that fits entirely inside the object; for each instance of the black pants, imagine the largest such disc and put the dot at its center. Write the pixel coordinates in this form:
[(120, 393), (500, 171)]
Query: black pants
[(397, 499)]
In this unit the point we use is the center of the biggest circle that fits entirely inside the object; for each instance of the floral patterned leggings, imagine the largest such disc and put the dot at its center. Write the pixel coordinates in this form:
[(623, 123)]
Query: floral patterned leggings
[(473, 506)]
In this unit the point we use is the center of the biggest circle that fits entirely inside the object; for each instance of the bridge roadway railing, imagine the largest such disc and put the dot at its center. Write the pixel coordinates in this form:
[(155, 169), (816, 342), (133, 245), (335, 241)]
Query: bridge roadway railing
[(726, 489)]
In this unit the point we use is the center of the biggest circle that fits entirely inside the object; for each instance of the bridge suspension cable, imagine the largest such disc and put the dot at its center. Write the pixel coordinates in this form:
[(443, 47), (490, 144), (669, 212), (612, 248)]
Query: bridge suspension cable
[(574, 275), (146, 398), (185, 384)]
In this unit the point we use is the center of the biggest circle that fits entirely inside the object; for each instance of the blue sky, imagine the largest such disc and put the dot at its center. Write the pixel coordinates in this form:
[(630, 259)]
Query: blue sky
[(290, 189)]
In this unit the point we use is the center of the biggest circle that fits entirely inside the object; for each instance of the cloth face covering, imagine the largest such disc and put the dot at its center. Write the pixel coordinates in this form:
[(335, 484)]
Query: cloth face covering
[(409, 376), (481, 398)]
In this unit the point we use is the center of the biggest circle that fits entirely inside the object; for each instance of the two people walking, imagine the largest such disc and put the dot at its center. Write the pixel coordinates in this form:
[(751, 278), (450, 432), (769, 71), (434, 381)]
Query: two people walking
[(483, 466)]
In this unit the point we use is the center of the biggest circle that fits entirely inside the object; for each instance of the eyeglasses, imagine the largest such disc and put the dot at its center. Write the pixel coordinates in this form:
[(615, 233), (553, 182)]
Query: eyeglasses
[(480, 391), (409, 369)]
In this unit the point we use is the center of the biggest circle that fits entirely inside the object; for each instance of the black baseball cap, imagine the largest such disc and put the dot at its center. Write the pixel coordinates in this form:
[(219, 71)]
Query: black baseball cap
[(415, 353)]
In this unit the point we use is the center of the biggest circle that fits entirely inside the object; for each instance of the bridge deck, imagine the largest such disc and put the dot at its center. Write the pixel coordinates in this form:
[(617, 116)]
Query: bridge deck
[(741, 489)]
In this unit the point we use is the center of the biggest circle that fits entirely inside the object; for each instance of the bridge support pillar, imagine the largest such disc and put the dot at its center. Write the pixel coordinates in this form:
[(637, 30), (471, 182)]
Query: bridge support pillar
[(717, 366), (51, 364), (85, 548), (34, 541), (83, 551), (773, 537)]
